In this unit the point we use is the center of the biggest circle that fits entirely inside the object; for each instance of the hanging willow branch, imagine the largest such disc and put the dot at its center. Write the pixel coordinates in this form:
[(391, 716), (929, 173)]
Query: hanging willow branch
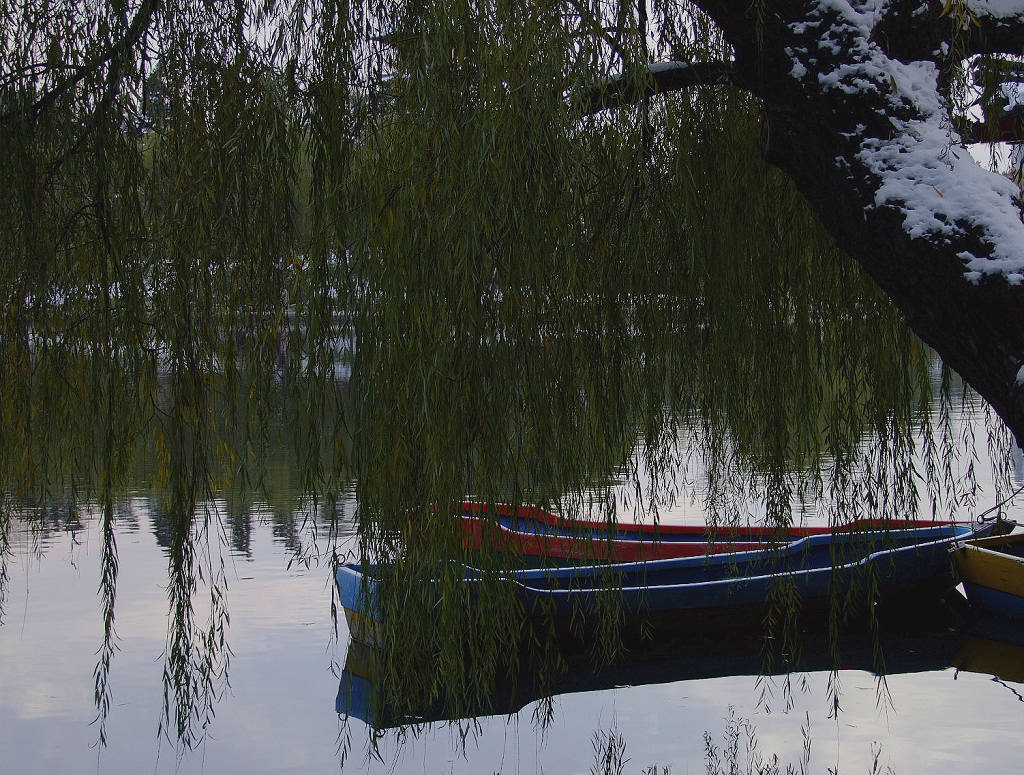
[(113, 55)]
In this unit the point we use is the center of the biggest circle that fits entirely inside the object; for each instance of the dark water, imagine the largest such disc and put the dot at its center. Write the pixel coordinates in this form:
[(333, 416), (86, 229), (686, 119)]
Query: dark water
[(278, 714)]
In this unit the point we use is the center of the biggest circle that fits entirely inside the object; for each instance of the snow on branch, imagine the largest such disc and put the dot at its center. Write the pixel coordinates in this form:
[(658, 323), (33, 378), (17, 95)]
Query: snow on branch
[(903, 138), (997, 9), (657, 78), (999, 23)]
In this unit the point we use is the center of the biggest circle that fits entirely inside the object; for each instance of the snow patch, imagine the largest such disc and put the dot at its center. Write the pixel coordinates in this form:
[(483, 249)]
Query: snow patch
[(940, 198), (1014, 94), (997, 9), (851, 79), (662, 67), (923, 170)]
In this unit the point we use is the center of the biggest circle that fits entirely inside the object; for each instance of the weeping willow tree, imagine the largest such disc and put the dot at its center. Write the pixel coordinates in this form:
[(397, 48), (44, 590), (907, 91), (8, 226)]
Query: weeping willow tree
[(516, 252)]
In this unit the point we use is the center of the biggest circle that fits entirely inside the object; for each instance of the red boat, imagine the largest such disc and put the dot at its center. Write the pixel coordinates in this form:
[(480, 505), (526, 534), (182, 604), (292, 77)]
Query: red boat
[(532, 532)]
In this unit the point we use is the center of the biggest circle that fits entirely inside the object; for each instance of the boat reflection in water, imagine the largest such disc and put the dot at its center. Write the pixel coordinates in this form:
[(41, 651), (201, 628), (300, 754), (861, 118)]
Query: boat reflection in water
[(936, 638), (994, 645)]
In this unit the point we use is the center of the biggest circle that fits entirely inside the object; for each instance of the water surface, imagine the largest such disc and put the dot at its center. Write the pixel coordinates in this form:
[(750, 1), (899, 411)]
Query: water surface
[(278, 714)]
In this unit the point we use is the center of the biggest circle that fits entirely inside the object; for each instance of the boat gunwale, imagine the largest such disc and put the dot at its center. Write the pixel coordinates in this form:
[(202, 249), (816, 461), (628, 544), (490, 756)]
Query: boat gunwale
[(989, 543), (984, 551), (781, 551)]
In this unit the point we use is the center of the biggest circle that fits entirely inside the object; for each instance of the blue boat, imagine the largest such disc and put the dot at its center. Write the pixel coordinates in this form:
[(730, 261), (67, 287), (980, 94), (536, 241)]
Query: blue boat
[(887, 564)]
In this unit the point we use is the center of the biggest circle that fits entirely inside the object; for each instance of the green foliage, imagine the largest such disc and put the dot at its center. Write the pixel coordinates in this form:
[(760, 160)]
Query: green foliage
[(388, 228)]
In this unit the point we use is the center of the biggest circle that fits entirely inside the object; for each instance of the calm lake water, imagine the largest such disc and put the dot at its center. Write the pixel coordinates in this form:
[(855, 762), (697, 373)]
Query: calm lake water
[(278, 714)]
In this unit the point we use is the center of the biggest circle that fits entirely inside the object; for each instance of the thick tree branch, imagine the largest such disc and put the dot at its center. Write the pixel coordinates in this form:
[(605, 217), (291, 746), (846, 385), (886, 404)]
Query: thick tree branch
[(113, 54), (886, 174), (658, 78), (998, 31), (907, 34)]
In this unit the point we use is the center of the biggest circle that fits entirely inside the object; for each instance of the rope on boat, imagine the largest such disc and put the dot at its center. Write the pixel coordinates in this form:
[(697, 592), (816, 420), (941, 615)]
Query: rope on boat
[(983, 516)]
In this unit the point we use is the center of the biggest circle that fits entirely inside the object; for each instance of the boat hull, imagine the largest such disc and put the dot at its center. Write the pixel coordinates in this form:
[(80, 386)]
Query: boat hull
[(992, 571), (808, 572)]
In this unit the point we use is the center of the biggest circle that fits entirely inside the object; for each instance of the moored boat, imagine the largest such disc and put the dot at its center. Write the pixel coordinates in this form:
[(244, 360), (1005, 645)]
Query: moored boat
[(882, 563), (533, 533), (992, 571)]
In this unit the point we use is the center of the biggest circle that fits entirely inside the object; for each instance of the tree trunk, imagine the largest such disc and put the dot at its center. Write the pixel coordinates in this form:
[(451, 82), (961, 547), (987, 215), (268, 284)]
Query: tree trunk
[(841, 84)]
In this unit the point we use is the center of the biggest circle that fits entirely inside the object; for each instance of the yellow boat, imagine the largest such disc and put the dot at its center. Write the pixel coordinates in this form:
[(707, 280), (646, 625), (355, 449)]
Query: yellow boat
[(992, 571)]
